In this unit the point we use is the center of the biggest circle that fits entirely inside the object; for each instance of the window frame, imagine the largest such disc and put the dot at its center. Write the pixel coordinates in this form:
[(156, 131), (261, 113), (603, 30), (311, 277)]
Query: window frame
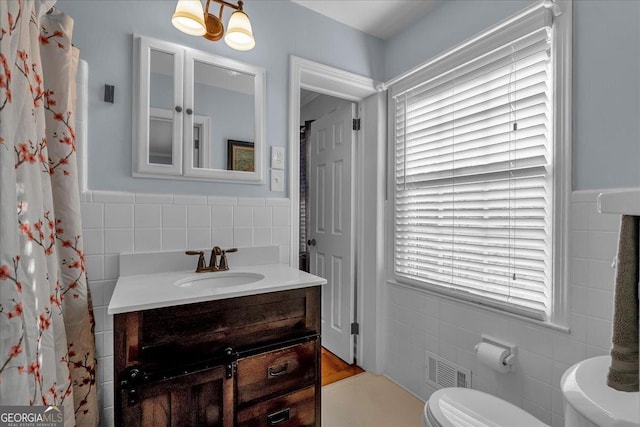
[(561, 118)]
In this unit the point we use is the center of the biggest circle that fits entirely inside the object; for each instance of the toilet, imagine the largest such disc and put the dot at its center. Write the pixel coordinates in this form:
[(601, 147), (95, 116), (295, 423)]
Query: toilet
[(591, 403), (457, 407)]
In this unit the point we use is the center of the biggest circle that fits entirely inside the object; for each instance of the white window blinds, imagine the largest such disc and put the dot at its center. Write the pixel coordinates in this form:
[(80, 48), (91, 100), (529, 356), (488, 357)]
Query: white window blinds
[(473, 177)]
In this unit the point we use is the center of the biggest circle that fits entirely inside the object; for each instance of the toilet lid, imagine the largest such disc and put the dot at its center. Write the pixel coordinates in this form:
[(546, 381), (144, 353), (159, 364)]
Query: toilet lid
[(585, 388), (463, 407)]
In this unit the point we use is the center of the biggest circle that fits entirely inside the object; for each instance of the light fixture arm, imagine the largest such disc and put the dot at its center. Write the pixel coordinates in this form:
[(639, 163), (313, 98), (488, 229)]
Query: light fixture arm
[(220, 13), (224, 3)]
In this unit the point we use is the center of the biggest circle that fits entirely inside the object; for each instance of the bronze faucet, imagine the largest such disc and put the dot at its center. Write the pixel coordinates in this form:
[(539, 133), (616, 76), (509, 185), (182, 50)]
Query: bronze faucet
[(222, 266), (212, 260), (223, 259)]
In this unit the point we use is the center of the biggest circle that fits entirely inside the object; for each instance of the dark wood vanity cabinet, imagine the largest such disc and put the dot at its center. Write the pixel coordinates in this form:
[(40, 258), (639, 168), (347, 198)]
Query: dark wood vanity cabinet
[(197, 399), (246, 361)]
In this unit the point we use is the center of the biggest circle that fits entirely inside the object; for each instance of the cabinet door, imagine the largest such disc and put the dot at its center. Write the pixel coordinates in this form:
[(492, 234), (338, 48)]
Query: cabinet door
[(223, 101), (203, 398), (158, 112)]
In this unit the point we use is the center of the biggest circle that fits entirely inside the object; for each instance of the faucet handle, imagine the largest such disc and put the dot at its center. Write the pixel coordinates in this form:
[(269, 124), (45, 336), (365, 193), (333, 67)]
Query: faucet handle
[(201, 262), (223, 259)]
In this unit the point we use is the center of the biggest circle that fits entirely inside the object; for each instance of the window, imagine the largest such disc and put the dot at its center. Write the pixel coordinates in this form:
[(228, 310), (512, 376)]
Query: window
[(478, 144)]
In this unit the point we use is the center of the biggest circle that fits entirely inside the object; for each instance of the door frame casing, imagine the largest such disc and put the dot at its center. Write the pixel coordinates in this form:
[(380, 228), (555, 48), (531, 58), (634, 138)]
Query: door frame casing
[(320, 78)]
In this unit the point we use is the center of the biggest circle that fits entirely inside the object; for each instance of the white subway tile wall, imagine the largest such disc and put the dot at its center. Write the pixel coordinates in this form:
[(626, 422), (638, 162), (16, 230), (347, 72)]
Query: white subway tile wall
[(123, 222), (116, 223), (417, 322)]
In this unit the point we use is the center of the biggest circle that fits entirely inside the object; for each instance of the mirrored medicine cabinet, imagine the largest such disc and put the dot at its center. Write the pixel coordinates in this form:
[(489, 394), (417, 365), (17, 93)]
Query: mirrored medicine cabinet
[(196, 115)]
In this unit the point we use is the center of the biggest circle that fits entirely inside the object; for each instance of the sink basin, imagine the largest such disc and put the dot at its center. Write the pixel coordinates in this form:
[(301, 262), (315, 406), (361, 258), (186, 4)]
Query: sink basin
[(219, 280)]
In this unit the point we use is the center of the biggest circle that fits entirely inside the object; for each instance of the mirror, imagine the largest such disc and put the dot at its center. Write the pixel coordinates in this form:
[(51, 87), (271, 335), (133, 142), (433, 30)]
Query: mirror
[(161, 103), (199, 116), (230, 120)]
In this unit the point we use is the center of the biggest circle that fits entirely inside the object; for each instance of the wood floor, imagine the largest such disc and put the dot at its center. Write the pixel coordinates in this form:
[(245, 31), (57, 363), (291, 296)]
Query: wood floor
[(335, 369)]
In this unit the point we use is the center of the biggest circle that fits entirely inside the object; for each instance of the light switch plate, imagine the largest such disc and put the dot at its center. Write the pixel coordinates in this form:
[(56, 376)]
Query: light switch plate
[(277, 157), (277, 180)]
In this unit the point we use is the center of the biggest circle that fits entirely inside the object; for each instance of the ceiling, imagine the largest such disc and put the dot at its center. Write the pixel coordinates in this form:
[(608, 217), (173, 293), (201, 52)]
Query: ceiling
[(380, 18)]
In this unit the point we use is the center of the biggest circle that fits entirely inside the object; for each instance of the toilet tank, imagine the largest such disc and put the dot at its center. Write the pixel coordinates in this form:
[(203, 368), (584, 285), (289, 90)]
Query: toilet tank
[(589, 402)]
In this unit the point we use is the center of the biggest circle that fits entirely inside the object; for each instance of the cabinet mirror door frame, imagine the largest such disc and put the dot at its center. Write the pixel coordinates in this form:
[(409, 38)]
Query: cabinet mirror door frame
[(143, 165), (187, 159)]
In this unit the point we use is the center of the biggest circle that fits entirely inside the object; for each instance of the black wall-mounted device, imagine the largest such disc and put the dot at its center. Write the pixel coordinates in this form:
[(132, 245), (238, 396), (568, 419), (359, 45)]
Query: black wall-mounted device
[(109, 91)]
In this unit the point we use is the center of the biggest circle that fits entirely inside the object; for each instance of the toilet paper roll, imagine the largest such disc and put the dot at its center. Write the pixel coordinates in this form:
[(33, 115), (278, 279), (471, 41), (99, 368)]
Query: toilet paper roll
[(493, 356)]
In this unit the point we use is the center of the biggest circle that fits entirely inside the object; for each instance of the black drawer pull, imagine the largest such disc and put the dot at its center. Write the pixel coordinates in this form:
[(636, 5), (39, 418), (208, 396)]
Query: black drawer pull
[(278, 370), (278, 417)]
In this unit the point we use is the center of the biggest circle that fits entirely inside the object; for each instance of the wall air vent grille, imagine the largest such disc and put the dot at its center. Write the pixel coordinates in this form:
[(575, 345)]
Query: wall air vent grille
[(443, 373), (433, 369)]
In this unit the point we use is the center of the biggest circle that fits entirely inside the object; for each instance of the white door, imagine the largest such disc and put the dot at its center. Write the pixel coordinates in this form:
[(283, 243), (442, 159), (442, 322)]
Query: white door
[(331, 237)]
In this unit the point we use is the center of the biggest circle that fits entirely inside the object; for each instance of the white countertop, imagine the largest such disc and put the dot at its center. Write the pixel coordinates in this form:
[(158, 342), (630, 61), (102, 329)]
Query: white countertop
[(147, 291)]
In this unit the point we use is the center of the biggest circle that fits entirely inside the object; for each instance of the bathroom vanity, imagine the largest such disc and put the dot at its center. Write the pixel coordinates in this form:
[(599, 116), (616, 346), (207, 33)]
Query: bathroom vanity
[(240, 354)]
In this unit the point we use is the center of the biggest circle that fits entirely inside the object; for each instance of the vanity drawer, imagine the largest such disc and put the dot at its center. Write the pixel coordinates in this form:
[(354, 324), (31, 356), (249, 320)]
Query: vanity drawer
[(295, 409), (276, 372)]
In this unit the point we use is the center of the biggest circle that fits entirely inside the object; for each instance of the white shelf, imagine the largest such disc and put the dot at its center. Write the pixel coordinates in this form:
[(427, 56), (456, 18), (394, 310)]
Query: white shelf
[(624, 202)]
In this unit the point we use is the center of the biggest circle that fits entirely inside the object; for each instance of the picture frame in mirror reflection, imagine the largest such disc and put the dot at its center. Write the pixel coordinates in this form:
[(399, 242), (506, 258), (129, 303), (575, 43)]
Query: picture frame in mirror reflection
[(240, 155)]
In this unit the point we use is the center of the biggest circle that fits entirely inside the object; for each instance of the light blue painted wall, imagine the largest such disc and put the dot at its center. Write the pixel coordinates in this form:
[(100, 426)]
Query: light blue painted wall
[(448, 24), (606, 124), (324, 104), (606, 98), (103, 33), (606, 76)]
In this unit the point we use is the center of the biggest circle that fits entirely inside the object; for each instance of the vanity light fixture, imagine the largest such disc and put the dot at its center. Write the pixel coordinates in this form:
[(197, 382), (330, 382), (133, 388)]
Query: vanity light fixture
[(191, 19)]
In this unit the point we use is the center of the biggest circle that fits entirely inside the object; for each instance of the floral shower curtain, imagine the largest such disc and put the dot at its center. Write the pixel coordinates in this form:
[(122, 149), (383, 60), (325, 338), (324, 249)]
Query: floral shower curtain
[(47, 344)]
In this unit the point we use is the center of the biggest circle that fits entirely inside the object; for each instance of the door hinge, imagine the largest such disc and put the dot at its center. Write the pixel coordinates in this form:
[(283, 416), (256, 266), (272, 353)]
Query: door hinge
[(356, 124), (355, 328)]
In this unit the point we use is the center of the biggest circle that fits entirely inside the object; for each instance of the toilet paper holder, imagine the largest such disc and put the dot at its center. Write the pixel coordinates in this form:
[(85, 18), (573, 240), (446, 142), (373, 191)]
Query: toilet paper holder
[(510, 357)]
